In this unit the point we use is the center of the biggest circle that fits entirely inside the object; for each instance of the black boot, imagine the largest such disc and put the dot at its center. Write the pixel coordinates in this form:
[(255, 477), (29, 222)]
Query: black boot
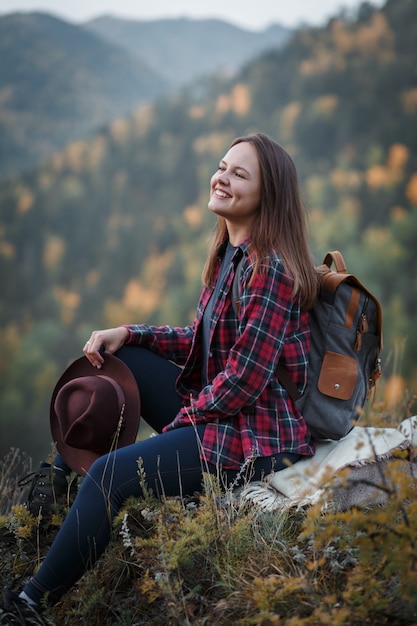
[(49, 485), (16, 612)]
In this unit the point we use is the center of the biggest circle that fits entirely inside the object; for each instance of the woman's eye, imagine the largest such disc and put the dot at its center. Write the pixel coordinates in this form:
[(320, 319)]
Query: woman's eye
[(223, 168)]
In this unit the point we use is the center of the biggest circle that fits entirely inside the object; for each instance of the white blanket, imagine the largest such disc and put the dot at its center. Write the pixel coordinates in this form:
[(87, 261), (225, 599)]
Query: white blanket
[(305, 482)]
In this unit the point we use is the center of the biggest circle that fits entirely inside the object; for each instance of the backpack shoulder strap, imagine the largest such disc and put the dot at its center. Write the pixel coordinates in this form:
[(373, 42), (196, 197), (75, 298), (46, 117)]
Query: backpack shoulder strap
[(286, 381), (236, 287)]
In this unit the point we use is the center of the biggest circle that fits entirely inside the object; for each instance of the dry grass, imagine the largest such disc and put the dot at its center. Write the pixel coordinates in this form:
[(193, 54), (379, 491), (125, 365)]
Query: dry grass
[(214, 560)]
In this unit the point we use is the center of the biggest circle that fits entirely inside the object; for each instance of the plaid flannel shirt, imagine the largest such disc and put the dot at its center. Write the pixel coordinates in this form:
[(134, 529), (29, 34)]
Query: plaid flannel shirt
[(247, 412)]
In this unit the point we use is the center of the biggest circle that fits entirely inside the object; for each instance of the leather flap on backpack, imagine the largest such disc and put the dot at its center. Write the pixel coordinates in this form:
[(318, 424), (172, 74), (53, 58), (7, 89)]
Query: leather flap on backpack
[(338, 376)]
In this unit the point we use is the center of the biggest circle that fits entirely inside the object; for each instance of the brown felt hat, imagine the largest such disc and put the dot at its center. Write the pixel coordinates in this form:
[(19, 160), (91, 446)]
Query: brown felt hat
[(94, 411)]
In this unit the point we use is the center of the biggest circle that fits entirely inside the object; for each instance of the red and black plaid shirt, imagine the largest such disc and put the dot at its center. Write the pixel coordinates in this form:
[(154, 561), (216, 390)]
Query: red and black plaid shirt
[(247, 412)]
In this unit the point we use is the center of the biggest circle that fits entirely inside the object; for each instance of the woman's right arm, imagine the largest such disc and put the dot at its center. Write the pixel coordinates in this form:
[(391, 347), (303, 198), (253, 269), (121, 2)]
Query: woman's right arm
[(170, 342)]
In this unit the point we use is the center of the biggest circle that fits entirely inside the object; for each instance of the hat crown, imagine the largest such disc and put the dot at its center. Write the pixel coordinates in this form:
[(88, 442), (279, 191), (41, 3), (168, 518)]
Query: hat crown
[(90, 412), (94, 411)]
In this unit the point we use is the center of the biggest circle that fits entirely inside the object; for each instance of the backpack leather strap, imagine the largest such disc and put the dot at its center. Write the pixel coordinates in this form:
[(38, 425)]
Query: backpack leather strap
[(352, 307), (286, 381), (337, 259)]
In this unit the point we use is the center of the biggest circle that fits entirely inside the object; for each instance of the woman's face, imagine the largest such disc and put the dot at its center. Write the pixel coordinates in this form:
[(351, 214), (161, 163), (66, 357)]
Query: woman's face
[(235, 188)]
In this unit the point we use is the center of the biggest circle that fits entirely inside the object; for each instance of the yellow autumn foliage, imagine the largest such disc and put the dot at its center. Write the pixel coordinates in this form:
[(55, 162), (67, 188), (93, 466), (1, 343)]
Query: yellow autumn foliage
[(394, 391), (238, 101), (411, 190), (25, 201), (53, 252), (193, 216), (68, 302)]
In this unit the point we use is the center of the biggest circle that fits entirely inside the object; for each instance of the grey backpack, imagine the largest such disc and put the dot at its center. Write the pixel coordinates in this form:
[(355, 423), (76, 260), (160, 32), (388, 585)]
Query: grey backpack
[(346, 340)]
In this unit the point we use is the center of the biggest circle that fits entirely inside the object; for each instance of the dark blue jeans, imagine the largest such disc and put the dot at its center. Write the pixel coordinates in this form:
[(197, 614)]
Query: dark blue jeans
[(171, 464)]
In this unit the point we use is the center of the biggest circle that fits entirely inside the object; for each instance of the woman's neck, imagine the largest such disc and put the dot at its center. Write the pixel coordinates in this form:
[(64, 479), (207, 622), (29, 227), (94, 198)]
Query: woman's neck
[(237, 234)]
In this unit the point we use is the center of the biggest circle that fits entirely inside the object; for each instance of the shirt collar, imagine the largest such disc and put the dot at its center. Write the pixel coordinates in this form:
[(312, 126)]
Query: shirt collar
[(241, 249)]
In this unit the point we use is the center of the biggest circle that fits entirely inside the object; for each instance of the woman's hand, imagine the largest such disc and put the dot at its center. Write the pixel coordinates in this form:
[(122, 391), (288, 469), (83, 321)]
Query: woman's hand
[(109, 341)]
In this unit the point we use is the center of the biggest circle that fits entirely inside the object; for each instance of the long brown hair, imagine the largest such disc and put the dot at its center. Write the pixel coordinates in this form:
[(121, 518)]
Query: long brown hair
[(280, 224)]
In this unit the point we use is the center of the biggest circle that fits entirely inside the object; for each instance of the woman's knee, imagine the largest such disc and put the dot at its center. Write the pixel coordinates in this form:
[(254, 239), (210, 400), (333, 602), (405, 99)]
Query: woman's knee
[(98, 475), (156, 380)]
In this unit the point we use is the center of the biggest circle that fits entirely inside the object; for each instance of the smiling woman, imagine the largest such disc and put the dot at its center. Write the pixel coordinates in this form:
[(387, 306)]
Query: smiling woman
[(235, 190), (255, 192), (209, 390)]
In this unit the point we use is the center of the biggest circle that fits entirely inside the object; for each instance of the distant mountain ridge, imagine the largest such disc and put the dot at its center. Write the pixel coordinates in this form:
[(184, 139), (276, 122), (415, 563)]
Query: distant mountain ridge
[(60, 82), (183, 49)]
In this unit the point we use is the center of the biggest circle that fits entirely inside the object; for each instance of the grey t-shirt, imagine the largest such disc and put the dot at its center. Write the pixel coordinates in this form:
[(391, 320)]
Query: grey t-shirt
[(228, 255)]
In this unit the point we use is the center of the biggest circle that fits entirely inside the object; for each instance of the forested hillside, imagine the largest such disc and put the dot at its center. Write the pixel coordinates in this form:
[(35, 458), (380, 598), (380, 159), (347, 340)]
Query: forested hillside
[(59, 82), (114, 229)]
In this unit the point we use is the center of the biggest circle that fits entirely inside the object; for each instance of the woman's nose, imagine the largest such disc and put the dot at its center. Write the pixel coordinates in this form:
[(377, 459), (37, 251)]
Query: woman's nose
[(223, 177)]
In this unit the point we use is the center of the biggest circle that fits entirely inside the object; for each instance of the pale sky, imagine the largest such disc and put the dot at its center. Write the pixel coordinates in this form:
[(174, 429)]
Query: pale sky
[(250, 14)]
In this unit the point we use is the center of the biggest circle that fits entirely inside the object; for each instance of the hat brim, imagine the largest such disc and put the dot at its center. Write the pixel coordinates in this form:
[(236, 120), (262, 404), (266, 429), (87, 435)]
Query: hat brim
[(80, 460)]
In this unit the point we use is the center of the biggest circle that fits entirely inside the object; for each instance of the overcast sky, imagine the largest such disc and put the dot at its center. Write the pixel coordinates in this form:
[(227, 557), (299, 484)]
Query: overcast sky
[(252, 14)]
